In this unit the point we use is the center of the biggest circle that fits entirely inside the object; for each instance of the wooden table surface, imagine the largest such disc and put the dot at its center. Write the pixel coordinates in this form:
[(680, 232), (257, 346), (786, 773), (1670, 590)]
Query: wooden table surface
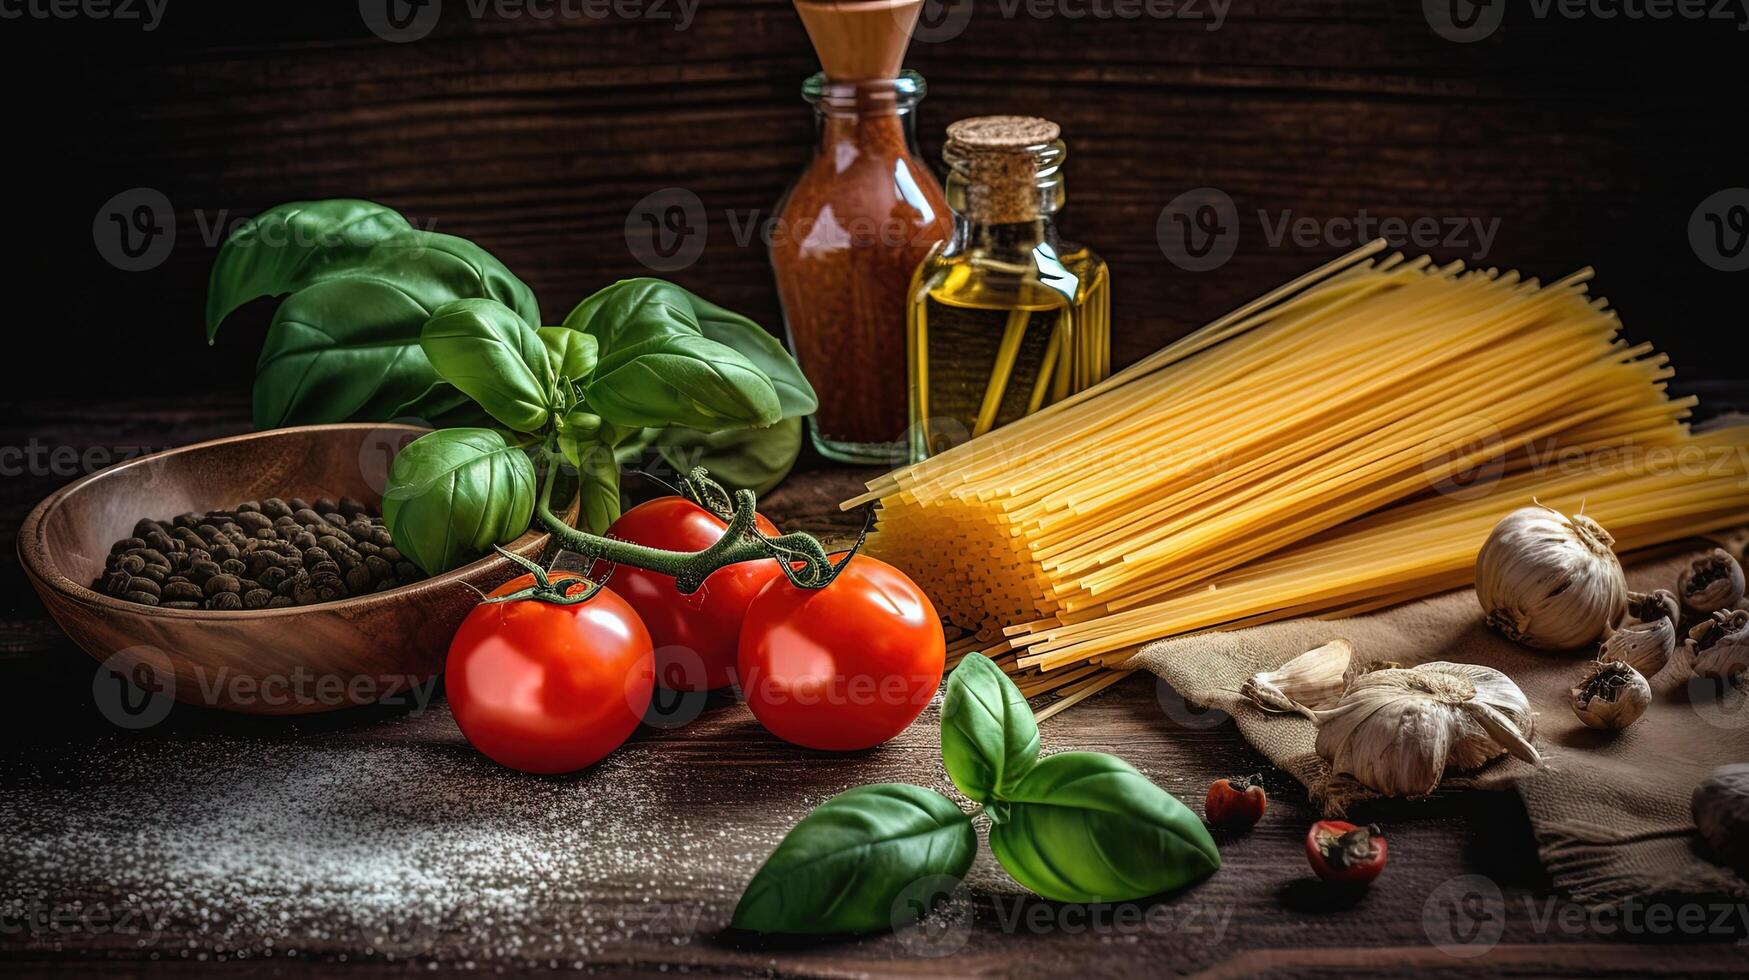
[(375, 842)]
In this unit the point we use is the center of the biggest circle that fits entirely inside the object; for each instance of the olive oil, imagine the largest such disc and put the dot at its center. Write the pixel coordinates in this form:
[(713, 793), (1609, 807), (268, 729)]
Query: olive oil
[(1004, 317)]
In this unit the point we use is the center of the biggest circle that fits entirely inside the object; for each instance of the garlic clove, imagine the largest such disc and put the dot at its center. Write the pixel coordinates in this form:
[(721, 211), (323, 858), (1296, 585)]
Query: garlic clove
[(1611, 695), (1660, 603), (1502, 730), (1314, 679), (1720, 645), (1711, 583), (1551, 581), (1646, 647)]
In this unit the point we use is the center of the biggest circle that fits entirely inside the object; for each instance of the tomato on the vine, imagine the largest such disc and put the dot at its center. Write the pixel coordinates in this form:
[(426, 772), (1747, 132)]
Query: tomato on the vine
[(844, 667), (549, 688), (694, 634)]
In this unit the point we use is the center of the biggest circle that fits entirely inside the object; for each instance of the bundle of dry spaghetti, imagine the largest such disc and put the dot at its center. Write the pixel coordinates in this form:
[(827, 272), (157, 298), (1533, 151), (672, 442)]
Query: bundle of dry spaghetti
[(1343, 442)]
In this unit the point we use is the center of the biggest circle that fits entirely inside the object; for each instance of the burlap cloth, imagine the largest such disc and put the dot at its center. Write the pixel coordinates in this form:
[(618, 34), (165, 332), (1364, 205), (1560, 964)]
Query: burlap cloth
[(1610, 811)]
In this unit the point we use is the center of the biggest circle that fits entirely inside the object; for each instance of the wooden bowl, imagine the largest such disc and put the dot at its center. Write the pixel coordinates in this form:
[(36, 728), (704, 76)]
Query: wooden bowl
[(292, 660)]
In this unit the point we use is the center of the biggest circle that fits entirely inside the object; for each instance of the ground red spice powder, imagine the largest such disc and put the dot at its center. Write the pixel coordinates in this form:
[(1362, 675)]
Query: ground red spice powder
[(850, 233)]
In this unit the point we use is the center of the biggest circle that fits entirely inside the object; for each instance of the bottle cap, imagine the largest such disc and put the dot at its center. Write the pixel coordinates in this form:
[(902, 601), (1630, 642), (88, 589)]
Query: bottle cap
[(860, 40), (998, 158)]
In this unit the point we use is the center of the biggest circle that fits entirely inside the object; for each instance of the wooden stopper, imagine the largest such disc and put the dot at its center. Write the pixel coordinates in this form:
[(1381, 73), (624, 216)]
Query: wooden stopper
[(995, 155), (860, 40)]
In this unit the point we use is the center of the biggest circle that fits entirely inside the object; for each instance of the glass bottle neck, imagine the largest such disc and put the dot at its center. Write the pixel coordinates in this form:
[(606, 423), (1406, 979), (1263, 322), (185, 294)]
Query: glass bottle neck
[(857, 111), (1005, 204), (1007, 241)]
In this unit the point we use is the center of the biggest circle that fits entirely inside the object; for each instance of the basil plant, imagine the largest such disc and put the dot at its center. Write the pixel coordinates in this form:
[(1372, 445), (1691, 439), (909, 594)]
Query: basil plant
[(383, 321), (1071, 827)]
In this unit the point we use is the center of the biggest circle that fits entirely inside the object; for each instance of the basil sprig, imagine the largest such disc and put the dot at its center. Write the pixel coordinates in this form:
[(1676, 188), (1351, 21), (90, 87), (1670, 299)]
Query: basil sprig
[(384, 321), (1073, 827)]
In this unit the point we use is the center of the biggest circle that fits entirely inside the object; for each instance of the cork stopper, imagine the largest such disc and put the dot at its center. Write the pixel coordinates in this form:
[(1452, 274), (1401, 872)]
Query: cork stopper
[(997, 157), (860, 40)]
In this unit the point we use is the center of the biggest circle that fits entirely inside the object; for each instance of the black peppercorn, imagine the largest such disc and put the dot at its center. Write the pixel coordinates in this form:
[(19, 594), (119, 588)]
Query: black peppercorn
[(264, 554), (183, 592)]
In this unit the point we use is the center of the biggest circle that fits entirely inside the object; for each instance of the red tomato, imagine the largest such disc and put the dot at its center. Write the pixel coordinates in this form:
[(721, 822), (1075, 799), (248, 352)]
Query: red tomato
[(546, 688), (694, 634), (1235, 803), (845, 667), (1342, 852)]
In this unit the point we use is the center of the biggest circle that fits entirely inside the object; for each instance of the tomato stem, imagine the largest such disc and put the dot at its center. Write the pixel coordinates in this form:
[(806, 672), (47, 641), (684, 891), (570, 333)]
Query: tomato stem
[(803, 559), (543, 589)]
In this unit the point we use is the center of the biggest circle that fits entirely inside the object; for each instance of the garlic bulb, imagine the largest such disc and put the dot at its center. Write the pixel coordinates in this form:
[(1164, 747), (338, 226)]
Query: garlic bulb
[(1551, 581), (1721, 646), (1611, 695), (1396, 730), (1313, 679), (1711, 583), (1646, 647)]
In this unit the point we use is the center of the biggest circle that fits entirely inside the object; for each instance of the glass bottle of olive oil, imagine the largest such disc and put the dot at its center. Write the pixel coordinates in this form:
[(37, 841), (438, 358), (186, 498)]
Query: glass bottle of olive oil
[(1004, 317)]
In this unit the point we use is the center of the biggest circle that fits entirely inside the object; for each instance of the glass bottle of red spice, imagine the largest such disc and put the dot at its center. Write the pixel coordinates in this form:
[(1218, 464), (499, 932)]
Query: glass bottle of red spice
[(850, 232)]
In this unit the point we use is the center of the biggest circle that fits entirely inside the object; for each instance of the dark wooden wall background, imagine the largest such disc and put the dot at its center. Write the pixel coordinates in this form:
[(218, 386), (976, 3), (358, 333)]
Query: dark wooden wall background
[(1591, 141)]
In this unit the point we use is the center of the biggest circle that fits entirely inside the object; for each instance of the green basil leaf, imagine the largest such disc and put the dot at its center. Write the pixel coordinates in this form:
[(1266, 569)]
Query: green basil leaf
[(681, 379), (634, 311), (740, 459), (989, 740), (345, 344), (483, 348), (426, 263), (345, 349), (847, 866), (599, 476), (580, 440), (795, 395), (289, 246), (630, 450), (454, 493), (570, 352), (1086, 827), (656, 367)]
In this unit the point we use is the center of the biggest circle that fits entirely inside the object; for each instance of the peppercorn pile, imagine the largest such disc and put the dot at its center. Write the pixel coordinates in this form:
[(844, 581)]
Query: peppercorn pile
[(261, 555)]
